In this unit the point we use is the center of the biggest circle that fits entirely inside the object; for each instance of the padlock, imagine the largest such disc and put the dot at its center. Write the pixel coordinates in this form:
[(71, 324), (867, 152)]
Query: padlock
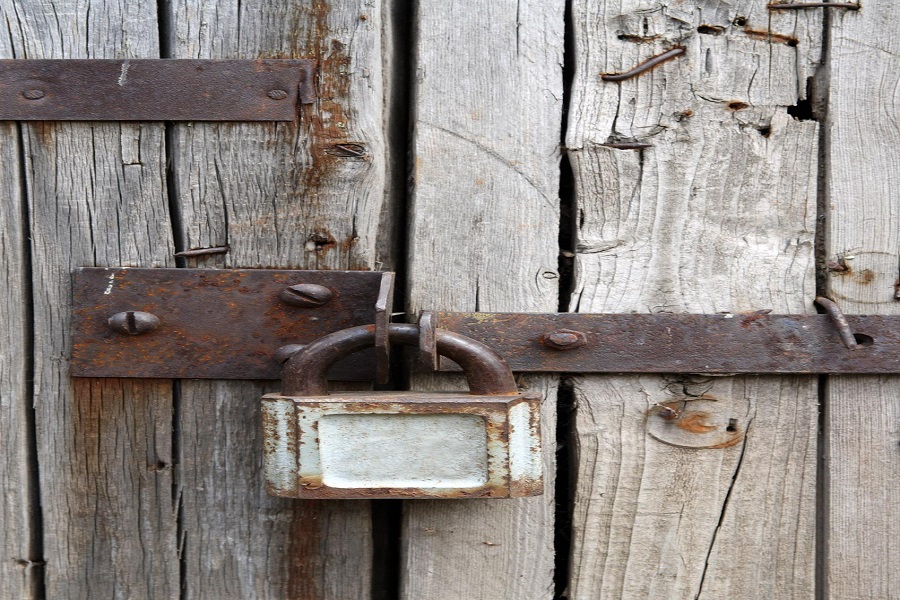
[(484, 444)]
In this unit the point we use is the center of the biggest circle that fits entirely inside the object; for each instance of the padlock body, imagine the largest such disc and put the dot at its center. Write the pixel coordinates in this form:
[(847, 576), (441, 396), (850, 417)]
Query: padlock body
[(402, 445)]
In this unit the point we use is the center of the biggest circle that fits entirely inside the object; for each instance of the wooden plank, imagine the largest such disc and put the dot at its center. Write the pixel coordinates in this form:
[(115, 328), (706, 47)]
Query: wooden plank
[(96, 197), (282, 196), (21, 570), (486, 114), (718, 215), (862, 493)]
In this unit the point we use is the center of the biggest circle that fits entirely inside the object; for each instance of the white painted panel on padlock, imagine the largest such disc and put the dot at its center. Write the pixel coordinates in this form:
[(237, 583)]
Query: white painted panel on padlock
[(524, 444), (403, 451)]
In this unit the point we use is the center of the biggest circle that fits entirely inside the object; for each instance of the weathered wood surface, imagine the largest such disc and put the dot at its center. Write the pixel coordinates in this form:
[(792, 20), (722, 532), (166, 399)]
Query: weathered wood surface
[(20, 569), (862, 423), (281, 196), (96, 197), (717, 216), (487, 107)]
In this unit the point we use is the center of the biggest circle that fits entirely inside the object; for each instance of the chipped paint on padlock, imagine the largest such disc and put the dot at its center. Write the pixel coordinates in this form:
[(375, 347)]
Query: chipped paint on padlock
[(402, 444)]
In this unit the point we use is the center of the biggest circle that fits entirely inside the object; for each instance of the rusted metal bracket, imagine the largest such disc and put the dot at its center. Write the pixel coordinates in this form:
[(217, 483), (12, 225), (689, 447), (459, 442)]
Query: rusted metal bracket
[(155, 90), (243, 324), (217, 324), (755, 342)]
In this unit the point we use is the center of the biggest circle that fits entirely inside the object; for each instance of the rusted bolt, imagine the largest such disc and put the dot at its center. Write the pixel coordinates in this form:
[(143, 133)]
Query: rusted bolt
[(133, 322), (665, 412), (306, 295), (34, 94), (564, 339), (285, 352), (277, 94)]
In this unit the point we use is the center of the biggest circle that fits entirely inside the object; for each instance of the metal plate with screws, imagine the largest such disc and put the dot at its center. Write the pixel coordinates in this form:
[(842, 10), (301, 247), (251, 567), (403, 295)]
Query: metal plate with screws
[(755, 342), (154, 90), (214, 324)]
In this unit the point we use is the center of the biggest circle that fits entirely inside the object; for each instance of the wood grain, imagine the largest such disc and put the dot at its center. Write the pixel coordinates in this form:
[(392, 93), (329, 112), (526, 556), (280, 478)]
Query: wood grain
[(483, 236), (96, 197), (21, 568), (717, 216), (862, 424), (279, 196)]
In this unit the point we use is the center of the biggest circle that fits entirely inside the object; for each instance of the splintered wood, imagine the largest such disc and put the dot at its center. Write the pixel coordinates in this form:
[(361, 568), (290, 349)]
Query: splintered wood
[(283, 196), (862, 413), (96, 197), (484, 225), (714, 212)]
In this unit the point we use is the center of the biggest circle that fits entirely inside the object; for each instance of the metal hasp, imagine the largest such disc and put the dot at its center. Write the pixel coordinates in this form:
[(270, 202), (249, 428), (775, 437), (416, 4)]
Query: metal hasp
[(484, 444), (155, 90), (755, 342), (210, 323)]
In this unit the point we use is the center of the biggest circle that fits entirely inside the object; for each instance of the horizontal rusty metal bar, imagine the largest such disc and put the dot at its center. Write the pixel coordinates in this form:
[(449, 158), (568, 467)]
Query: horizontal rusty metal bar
[(213, 324), (154, 90), (681, 343)]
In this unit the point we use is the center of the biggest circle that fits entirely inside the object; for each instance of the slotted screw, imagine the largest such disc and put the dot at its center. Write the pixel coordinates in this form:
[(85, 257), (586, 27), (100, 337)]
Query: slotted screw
[(306, 295), (133, 322)]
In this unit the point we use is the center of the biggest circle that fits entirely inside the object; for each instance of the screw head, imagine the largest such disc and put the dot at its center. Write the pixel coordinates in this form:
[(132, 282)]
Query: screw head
[(133, 322), (306, 295), (277, 94), (34, 94), (285, 352), (564, 339)]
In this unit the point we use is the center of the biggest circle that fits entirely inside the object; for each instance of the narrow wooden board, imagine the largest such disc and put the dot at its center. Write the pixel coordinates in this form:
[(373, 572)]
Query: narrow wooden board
[(717, 216), (483, 236), (19, 528), (96, 197), (862, 435), (280, 196)]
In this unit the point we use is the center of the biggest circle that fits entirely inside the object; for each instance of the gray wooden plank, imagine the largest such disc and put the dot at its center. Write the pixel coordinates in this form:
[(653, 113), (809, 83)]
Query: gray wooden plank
[(279, 195), (486, 108), (96, 197), (862, 550), (718, 215), (100, 444), (18, 527)]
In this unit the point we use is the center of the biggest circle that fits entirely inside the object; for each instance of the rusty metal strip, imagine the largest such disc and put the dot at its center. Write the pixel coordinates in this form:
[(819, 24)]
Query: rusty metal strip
[(682, 343), (212, 324), (154, 90)]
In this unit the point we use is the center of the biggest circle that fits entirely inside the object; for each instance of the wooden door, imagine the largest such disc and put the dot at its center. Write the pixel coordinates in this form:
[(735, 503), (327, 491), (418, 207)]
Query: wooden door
[(494, 170)]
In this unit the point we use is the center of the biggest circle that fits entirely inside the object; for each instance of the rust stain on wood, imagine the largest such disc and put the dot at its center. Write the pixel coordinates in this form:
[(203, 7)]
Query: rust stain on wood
[(695, 422), (771, 37), (303, 552), (328, 122)]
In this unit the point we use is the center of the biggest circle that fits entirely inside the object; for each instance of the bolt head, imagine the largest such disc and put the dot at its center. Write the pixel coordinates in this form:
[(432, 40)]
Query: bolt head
[(564, 339), (277, 94), (306, 295), (133, 322), (33, 94)]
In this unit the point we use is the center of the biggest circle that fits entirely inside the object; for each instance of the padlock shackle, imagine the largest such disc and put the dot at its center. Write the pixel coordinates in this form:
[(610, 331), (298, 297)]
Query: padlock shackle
[(487, 372)]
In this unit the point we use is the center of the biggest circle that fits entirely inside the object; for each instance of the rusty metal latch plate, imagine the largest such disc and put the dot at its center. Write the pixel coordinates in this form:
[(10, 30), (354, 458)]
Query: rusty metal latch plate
[(213, 324), (681, 343), (155, 90)]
